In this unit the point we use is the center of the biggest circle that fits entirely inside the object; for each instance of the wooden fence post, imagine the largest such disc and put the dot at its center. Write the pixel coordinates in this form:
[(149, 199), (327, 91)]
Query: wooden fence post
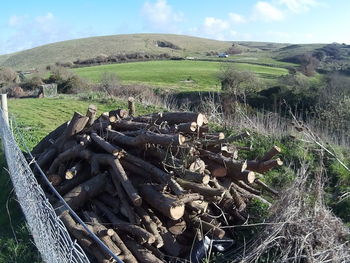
[(5, 112)]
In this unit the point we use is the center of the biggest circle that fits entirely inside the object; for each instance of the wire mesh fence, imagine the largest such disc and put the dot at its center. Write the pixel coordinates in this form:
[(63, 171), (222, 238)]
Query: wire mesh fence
[(50, 235)]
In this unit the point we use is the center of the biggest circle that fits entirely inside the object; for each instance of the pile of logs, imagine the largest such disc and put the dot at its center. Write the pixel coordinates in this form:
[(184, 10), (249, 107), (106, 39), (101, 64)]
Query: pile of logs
[(150, 186)]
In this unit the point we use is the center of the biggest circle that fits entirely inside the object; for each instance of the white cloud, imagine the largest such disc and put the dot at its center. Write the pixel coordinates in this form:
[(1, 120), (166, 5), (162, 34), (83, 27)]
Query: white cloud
[(160, 15), (45, 19), (15, 20), (267, 12), (237, 18), (298, 6)]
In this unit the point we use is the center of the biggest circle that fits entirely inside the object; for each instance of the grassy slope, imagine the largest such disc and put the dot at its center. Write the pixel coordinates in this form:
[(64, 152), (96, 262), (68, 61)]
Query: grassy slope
[(173, 73), (90, 47)]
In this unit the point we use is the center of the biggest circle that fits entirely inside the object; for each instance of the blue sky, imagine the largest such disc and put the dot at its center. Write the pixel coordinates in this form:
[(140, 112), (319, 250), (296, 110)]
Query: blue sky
[(26, 24)]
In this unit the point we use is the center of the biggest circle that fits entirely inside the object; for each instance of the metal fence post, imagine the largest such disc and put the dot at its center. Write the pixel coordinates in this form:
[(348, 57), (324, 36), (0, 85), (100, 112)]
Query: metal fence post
[(4, 108)]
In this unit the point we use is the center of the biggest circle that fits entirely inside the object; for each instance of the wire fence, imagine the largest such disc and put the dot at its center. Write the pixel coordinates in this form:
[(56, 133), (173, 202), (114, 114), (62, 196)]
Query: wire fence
[(50, 235)]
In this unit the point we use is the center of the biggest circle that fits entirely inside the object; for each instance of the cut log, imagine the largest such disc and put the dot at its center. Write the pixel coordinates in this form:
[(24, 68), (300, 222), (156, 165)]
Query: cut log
[(106, 145), (173, 118), (142, 254), (206, 191), (158, 174), (131, 106), (139, 233), (110, 201), (74, 170), (271, 153), (77, 197), (264, 166), (197, 166), (193, 176), (128, 256), (118, 174), (166, 204), (146, 137), (208, 228), (101, 231), (68, 185), (91, 114), (189, 127), (82, 236), (176, 227), (266, 187), (150, 226), (118, 114), (77, 151)]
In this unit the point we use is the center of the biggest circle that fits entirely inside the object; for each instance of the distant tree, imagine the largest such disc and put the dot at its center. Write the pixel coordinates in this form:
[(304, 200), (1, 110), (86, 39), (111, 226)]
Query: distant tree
[(235, 81), (308, 64)]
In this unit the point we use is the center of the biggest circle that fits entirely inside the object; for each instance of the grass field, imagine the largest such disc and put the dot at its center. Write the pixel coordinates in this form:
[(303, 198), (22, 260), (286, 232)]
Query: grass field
[(173, 74), (37, 117)]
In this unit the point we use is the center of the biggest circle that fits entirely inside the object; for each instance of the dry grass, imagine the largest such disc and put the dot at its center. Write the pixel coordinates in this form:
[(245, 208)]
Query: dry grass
[(301, 228)]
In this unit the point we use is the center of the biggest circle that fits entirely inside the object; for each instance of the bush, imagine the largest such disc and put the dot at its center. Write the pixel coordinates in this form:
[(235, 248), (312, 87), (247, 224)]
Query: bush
[(67, 81), (8, 75)]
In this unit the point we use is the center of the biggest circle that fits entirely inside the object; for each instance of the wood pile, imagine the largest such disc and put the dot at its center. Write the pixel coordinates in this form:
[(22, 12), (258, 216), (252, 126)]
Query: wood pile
[(149, 186)]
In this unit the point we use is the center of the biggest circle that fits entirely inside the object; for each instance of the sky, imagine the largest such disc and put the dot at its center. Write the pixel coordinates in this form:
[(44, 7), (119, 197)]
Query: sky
[(31, 23)]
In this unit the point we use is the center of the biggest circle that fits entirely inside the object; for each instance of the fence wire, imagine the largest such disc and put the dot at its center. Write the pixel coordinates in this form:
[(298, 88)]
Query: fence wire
[(50, 235)]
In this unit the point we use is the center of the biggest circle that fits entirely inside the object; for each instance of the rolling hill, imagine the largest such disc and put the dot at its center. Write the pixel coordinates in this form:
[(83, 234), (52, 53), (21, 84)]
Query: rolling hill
[(71, 50)]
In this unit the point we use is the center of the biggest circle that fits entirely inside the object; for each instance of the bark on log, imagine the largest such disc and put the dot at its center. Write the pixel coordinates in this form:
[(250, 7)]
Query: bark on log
[(131, 106), (150, 226), (234, 167), (263, 166), (68, 185), (271, 153), (146, 137), (142, 254), (77, 197), (139, 233), (82, 236), (189, 127), (161, 176), (173, 118), (106, 145), (91, 114), (164, 203), (101, 231), (266, 187), (208, 228), (118, 114), (128, 256), (117, 174), (111, 201), (206, 191), (247, 187), (78, 151)]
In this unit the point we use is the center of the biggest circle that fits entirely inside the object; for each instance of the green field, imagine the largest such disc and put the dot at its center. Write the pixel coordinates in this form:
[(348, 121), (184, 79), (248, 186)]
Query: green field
[(173, 74), (37, 117)]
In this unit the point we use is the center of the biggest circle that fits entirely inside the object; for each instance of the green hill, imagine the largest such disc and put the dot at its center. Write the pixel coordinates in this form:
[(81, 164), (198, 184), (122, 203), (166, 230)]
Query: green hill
[(71, 50)]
